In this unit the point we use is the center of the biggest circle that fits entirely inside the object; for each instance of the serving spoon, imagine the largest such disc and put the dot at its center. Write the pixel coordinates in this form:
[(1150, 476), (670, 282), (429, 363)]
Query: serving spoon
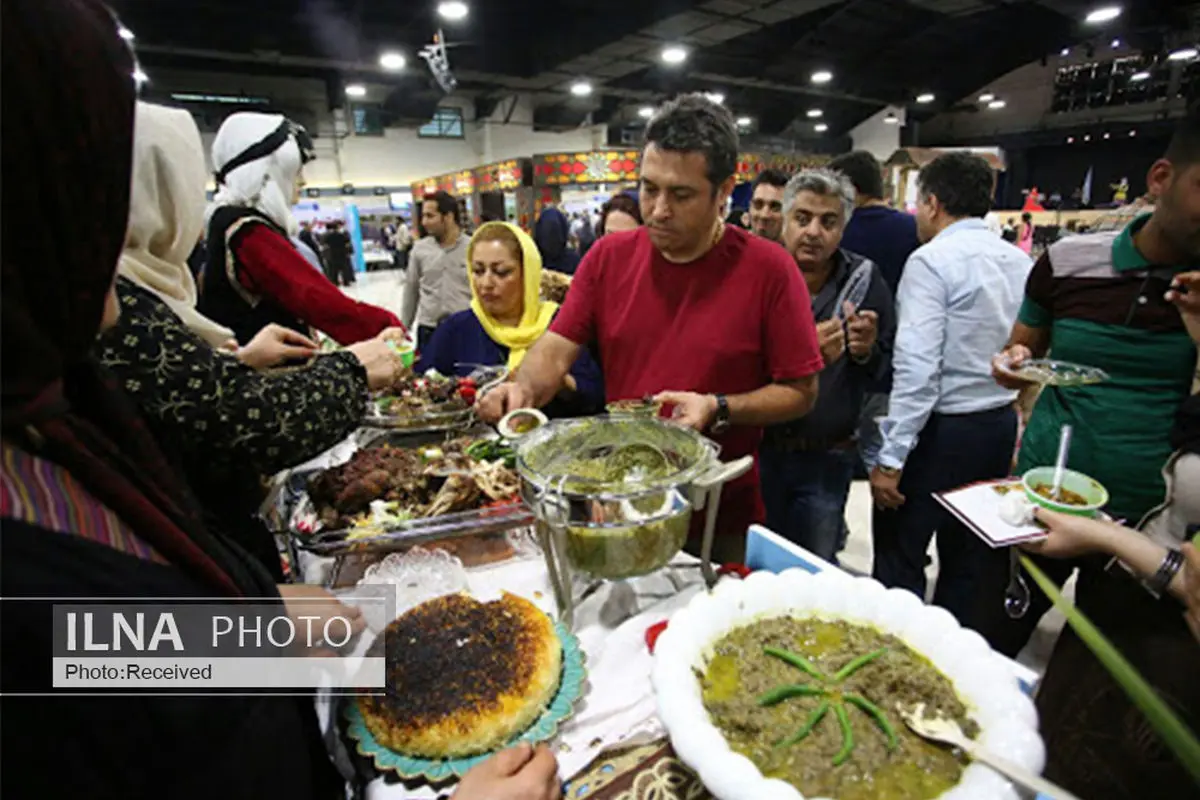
[(946, 731)]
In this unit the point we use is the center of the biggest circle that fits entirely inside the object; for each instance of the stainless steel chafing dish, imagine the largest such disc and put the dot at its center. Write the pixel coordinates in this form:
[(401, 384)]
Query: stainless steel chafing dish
[(614, 496)]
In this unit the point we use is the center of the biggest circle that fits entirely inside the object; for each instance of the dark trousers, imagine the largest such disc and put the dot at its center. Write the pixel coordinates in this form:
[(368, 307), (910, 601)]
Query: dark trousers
[(424, 334), (952, 450), (805, 495)]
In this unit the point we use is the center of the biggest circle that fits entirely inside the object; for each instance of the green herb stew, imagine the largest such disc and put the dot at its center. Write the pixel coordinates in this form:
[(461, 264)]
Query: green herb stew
[(813, 703)]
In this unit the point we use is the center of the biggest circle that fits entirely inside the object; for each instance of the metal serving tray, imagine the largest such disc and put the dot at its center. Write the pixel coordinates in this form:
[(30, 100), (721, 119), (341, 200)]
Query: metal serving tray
[(291, 504)]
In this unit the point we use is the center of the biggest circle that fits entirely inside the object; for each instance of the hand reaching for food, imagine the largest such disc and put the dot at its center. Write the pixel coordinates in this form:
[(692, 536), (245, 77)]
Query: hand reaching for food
[(497, 402), (380, 361), (275, 345), (520, 773), (696, 411)]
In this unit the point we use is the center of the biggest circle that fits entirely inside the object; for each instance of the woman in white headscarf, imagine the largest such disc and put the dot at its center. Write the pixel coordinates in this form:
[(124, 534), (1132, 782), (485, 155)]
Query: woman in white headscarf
[(166, 214), (255, 276), (225, 423)]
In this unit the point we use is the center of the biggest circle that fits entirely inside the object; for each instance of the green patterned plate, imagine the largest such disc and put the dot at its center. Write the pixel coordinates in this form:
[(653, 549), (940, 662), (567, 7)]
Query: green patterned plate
[(570, 689)]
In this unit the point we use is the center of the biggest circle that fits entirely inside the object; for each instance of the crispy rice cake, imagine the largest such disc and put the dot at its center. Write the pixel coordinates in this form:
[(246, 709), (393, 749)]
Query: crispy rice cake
[(464, 677)]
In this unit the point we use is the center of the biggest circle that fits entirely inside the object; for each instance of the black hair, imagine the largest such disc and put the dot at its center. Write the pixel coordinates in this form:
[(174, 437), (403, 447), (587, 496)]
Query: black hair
[(962, 183), (619, 202), (1027, 217), (1184, 149), (863, 170), (691, 123), (771, 177), (446, 204)]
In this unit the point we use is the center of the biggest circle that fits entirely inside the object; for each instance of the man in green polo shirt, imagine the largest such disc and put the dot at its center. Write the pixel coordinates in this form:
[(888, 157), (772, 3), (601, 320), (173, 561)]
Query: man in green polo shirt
[(1099, 300)]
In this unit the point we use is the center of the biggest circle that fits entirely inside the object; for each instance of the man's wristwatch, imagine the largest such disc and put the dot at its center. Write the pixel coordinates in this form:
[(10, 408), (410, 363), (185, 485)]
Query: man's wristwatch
[(721, 420), (890, 472)]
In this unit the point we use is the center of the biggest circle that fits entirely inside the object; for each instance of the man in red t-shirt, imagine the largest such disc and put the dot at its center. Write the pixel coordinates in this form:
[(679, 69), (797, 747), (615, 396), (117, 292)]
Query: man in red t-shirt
[(714, 322)]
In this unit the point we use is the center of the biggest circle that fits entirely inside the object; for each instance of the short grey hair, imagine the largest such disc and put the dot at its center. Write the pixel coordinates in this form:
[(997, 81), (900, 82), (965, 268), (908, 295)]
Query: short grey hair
[(823, 182)]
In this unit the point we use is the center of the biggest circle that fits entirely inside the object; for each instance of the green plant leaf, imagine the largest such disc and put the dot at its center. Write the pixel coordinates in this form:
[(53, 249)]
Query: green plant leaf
[(1182, 742)]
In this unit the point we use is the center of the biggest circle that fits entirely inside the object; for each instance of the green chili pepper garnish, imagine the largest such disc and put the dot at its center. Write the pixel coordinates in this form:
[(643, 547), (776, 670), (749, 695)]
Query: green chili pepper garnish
[(781, 693), (847, 736), (817, 715), (856, 664), (797, 661), (876, 714)]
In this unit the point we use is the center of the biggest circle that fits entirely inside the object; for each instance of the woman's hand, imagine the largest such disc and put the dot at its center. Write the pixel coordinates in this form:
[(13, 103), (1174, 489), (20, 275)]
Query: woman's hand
[(397, 335), (521, 773), (1069, 535), (321, 607), (380, 361), (1184, 294), (275, 345)]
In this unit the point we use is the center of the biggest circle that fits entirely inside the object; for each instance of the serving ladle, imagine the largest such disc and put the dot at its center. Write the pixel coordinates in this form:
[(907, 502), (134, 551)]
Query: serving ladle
[(947, 731)]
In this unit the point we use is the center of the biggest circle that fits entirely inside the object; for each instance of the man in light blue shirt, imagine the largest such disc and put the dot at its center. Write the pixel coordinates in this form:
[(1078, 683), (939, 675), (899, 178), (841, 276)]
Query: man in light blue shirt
[(948, 422)]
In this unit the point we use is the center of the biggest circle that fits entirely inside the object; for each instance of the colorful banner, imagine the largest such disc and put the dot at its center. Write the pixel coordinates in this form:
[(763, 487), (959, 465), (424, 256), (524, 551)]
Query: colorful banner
[(595, 166), (503, 176), (459, 184), (750, 164)]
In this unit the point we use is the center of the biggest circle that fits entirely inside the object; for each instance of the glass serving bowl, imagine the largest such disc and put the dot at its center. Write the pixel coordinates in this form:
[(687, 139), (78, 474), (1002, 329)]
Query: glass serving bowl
[(616, 490)]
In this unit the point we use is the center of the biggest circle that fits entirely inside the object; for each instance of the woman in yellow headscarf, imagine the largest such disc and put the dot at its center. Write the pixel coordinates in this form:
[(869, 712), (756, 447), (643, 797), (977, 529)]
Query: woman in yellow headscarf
[(506, 317)]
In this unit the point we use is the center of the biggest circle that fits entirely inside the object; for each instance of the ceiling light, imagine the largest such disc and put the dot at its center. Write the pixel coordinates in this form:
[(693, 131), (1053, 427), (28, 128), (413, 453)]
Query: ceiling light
[(1103, 14), (1087, 137), (140, 77), (1116, 43), (997, 104), (1143, 75), (1070, 140), (125, 33), (925, 98), (356, 90), (1133, 133), (891, 119), (392, 61), (822, 76), (745, 122), (646, 112), (814, 113), (820, 127), (1066, 51), (452, 11), (716, 97), (581, 88), (1185, 54), (1106, 135), (987, 97), (674, 55)]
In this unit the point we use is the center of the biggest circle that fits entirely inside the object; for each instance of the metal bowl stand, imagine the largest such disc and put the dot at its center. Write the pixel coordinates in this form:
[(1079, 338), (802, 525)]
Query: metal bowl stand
[(705, 495)]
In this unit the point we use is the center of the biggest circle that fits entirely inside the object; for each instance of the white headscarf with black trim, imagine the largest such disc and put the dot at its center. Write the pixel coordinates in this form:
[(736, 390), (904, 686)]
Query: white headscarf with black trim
[(265, 184)]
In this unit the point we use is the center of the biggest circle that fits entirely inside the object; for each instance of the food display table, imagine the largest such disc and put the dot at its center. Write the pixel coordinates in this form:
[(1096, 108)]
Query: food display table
[(614, 747)]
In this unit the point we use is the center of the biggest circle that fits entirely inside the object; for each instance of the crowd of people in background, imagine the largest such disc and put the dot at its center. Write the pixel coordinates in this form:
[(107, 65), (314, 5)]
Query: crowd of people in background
[(818, 331)]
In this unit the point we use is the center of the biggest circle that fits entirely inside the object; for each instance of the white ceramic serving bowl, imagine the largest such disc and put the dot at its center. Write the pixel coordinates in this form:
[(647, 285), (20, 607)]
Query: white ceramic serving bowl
[(983, 680)]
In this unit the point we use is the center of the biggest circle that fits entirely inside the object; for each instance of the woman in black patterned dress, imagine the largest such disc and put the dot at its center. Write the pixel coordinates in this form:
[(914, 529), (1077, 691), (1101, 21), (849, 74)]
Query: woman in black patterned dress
[(225, 423)]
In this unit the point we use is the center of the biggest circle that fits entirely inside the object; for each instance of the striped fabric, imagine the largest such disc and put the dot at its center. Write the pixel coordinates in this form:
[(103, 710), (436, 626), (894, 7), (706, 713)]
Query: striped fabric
[(41, 493)]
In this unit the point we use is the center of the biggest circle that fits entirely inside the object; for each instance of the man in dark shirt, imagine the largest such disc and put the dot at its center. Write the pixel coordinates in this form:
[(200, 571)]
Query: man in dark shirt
[(887, 237), (310, 241), (337, 254), (808, 464)]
